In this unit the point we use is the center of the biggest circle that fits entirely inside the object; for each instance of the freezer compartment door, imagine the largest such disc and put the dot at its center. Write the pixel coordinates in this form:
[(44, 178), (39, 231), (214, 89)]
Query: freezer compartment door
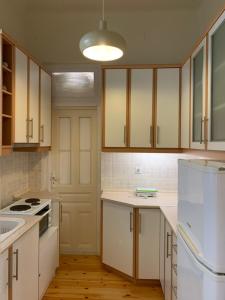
[(194, 281)]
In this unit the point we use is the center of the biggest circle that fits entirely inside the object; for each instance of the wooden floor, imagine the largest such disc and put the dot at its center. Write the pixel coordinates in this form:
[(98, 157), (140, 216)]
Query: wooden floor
[(82, 277)]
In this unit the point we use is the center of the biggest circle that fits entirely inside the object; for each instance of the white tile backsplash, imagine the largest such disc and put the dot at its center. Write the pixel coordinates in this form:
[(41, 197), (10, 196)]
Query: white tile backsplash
[(157, 170)]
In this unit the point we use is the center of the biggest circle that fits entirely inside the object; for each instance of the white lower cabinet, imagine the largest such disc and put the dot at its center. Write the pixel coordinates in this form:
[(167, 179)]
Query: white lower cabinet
[(117, 246), (48, 258), (4, 275), (168, 261), (162, 252), (148, 243), (25, 266)]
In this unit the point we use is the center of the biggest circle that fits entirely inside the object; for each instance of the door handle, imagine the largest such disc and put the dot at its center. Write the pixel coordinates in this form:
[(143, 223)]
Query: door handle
[(16, 253)]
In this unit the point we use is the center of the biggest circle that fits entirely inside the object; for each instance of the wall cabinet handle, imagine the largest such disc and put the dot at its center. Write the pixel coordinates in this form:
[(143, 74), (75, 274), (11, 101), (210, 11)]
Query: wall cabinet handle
[(32, 127), (167, 245), (157, 135), (42, 133), (151, 136), (27, 129), (125, 135), (16, 253), (131, 221), (201, 124), (61, 212)]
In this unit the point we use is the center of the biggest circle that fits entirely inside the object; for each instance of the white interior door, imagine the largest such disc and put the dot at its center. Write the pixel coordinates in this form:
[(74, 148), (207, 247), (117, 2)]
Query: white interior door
[(168, 98), (141, 94), (45, 110), (21, 85), (33, 125), (75, 173), (115, 108)]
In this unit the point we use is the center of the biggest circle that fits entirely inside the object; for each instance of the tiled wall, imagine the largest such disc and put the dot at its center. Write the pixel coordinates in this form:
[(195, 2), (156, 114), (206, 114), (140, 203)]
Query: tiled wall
[(157, 170), (20, 172)]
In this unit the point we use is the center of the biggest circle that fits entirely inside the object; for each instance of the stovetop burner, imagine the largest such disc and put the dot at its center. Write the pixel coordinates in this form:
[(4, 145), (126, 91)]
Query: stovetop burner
[(33, 200), (20, 207)]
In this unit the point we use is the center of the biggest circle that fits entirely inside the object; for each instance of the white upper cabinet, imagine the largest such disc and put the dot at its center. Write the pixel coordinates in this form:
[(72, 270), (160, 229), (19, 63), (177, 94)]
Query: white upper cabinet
[(141, 98), (45, 110), (33, 118), (198, 89), (167, 103), (21, 87), (216, 86), (115, 102), (185, 104)]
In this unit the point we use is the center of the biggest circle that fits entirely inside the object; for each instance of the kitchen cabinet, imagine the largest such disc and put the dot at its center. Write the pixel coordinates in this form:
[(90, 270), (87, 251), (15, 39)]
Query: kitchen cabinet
[(174, 267), (167, 108), (33, 106), (115, 108), (185, 105), (45, 109), (148, 243), (48, 258), (216, 86), (117, 237), (21, 96), (198, 97), (25, 266), (4, 275), (168, 262), (162, 252), (141, 107)]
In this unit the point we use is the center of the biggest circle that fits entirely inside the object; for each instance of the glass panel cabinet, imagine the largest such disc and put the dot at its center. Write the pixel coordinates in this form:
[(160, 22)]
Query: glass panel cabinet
[(198, 96), (216, 92)]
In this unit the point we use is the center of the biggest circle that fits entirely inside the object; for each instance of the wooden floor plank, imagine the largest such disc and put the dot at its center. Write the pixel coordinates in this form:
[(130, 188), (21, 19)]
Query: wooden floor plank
[(82, 277)]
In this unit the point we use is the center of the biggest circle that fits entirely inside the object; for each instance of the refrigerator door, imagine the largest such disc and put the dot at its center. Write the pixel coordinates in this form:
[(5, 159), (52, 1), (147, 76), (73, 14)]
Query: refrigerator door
[(194, 281), (201, 209)]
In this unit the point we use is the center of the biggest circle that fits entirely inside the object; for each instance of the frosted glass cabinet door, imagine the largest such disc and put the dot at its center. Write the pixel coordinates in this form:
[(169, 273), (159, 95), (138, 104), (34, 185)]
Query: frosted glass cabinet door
[(198, 96), (168, 98), (217, 86), (115, 107), (141, 108)]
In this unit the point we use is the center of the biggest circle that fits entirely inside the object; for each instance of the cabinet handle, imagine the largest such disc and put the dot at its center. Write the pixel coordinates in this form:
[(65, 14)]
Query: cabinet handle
[(125, 135), (32, 128), (27, 129), (151, 136), (17, 264), (131, 221), (202, 122), (42, 134), (157, 135), (205, 131), (174, 266), (61, 215), (167, 244), (174, 288), (140, 222)]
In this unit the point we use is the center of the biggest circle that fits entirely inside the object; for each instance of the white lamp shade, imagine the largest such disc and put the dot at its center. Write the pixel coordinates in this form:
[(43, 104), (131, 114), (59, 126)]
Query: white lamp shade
[(102, 45)]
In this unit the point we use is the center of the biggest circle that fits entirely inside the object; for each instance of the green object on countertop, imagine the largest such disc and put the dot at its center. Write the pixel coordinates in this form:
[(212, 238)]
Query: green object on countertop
[(146, 190)]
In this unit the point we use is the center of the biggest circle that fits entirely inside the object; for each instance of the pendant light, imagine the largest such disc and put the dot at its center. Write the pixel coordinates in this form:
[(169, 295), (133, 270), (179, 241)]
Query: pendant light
[(102, 44)]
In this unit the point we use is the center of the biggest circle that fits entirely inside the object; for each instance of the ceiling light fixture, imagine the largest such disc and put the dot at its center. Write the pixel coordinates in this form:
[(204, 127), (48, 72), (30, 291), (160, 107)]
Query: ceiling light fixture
[(102, 44)]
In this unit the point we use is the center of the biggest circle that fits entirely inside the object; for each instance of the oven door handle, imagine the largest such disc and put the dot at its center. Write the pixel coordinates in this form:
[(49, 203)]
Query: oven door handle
[(47, 212)]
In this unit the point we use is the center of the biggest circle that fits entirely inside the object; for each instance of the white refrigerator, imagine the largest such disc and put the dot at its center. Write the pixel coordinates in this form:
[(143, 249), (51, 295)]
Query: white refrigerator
[(201, 230)]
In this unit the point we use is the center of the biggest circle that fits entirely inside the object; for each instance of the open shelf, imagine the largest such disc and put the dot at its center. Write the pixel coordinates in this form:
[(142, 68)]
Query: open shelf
[(7, 64)]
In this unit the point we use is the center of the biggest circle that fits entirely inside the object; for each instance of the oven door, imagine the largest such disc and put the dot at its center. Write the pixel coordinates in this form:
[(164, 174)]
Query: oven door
[(43, 225)]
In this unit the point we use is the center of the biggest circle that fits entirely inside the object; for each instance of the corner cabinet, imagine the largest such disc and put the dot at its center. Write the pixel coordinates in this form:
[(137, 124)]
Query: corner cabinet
[(45, 109), (130, 240), (198, 97), (141, 109), (216, 86), (167, 108)]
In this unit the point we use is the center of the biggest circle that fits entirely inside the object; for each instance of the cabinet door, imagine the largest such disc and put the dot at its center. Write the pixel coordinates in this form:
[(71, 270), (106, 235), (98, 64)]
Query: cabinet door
[(115, 103), (45, 105), (148, 254), (168, 98), (141, 94), (117, 246), (33, 122), (21, 85), (25, 266), (4, 275), (216, 86), (185, 105), (162, 252), (168, 262), (198, 97), (48, 258)]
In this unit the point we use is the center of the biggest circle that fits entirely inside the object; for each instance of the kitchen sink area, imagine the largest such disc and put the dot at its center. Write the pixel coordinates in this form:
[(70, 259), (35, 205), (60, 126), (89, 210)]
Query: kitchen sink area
[(9, 226)]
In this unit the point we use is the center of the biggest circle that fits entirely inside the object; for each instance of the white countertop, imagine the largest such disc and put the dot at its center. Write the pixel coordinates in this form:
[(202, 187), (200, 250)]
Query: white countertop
[(30, 221), (166, 201)]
